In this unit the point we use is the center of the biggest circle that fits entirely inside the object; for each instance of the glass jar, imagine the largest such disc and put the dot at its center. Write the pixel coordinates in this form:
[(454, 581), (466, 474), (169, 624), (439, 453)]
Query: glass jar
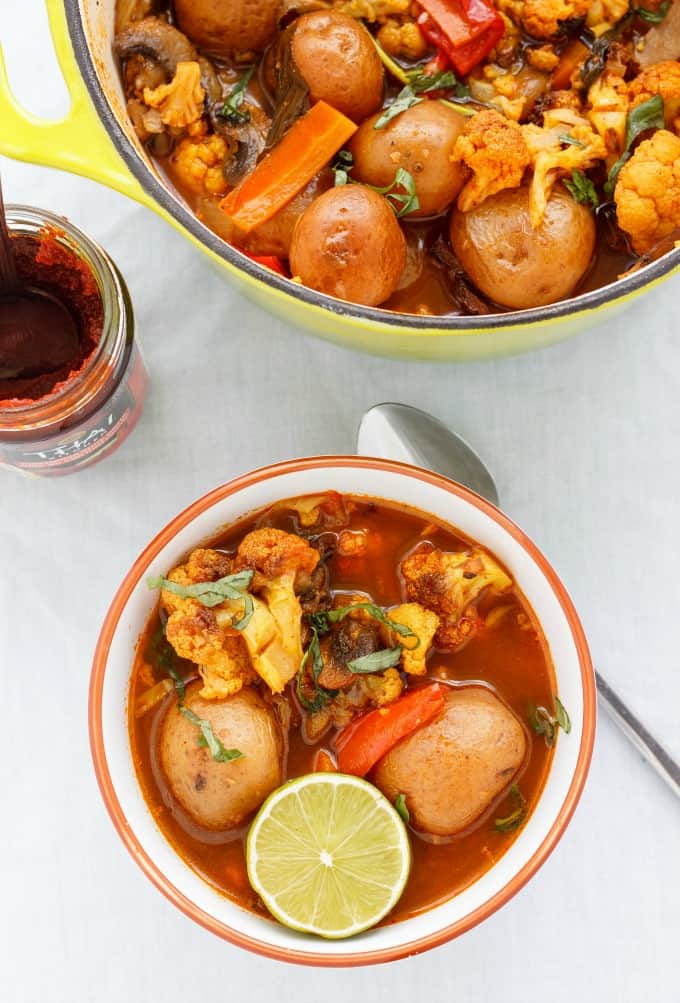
[(92, 413)]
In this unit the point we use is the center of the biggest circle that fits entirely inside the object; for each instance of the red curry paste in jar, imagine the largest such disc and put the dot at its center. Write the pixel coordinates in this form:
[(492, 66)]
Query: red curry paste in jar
[(64, 406)]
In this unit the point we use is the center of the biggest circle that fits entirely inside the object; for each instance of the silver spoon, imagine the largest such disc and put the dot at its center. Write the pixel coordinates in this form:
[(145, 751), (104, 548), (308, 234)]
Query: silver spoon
[(400, 432)]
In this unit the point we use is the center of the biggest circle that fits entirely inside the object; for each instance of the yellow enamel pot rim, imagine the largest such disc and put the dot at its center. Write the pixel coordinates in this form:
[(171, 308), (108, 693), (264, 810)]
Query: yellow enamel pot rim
[(158, 197)]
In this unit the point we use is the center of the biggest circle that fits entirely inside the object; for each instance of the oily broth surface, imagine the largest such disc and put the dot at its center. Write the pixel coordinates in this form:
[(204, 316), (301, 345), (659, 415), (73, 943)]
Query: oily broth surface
[(511, 658)]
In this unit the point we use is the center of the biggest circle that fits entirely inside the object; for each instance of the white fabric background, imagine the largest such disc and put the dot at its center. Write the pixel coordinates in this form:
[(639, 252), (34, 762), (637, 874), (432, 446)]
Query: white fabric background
[(583, 440)]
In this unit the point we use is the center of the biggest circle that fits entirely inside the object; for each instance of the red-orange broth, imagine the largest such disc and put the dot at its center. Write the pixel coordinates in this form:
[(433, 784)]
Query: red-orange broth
[(510, 656)]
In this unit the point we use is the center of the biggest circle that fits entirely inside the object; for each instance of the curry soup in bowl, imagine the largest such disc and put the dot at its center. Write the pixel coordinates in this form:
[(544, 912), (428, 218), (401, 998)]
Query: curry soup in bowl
[(342, 712)]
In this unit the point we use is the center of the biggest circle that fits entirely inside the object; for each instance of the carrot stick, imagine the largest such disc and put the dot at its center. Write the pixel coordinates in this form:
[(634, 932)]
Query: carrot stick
[(323, 762), (363, 742), (307, 147), (573, 56)]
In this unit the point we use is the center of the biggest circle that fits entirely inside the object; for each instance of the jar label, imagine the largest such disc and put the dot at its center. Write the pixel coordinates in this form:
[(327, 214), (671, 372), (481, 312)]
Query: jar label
[(100, 434)]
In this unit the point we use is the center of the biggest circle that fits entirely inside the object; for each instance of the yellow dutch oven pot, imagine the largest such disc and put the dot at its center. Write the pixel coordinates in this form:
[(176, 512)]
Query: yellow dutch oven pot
[(96, 140)]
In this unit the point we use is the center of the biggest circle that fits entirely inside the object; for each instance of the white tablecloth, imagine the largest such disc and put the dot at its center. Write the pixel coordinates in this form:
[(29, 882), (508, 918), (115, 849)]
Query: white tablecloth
[(583, 440)]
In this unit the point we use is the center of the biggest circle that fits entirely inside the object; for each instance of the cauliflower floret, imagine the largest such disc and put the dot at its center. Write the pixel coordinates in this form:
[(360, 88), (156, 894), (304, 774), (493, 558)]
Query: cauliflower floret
[(372, 10), (196, 634), (608, 111), (403, 40), (542, 18), (198, 162), (664, 79), (381, 688), (424, 624), (552, 158), (449, 584), (647, 192), (495, 150), (181, 101), (544, 59), (605, 13), (271, 641)]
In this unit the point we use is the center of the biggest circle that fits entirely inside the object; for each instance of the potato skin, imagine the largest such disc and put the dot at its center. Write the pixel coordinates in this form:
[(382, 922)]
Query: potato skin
[(221, 796), (348, 244), (336, 57), (516, 265), (453, 769), (420, 140), (223, 26)]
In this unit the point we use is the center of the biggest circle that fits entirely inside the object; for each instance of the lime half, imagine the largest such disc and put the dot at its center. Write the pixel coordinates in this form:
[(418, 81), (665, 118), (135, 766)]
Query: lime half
[(328, 854)]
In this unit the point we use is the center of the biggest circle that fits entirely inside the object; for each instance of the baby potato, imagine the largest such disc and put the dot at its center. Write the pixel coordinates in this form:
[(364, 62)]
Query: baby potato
[(453, 769), (516, 265), (226, 26), (335, 56), (348, 244), (216, 795), (421, 141)]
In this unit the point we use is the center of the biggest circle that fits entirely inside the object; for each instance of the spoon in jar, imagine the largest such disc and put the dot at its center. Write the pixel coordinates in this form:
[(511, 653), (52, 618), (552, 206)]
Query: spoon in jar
[(400, 432), (38, 333)]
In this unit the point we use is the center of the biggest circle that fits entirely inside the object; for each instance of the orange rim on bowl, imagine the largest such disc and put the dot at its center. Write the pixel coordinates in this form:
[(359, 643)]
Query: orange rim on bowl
[(124, 827)]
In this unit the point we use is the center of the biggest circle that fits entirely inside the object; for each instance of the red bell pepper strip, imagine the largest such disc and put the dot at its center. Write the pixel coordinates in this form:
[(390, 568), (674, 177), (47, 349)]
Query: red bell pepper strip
[(268, 261), (363, 742), (323, 763), (465, 30)]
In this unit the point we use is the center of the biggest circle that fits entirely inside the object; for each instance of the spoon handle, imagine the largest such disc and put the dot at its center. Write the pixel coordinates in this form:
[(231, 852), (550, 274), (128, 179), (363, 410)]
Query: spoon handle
[(635, 731)]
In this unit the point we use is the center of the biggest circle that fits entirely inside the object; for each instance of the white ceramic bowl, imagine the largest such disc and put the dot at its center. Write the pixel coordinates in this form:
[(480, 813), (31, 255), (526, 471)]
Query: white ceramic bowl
[(475, 518)]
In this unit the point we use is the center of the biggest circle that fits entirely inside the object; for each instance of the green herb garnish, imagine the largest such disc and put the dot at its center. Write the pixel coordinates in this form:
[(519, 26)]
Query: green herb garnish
[(213, 593), (342, 165), (321, 695), (515, 818), (571, 140), (208, 739), (582, 189), (231, 109), (400, 805), (648, 115), (543, 722), (653, 16), (401, 194), (162, 654), (375, 662), (322, 620), (408, 96)]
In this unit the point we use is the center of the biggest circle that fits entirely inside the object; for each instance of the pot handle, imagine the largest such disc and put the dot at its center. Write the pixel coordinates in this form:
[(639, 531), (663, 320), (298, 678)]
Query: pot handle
[(78, 143)]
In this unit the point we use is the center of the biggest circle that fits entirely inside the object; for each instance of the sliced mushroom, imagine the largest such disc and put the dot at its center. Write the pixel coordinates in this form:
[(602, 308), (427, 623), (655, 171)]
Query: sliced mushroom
[(245, 138), (156, 38)]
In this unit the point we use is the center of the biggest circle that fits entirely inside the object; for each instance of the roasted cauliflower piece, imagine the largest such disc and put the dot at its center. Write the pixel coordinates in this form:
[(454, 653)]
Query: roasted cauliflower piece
[(608, 105), (647, 192), (544, 18), (449, 584), (495, 151), (197, 634), (664, 79), (277, 554), (180, 102), (199, 160), (604, 14), (424, 624), (402, 39), (553, 158)]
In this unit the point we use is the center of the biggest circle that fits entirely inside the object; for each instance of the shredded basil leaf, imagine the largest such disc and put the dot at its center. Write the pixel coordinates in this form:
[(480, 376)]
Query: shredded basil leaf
[(213, 593), (570, 140), (162, 654), (648, 115), (401, 194), (515, 818), (402, 810), (408, 96), (231, 109), (321, 621), (582, 189), (543, 723), (322, 696), (208, 739), (375, 662), (562, 717), (341, 167), (653, 16)]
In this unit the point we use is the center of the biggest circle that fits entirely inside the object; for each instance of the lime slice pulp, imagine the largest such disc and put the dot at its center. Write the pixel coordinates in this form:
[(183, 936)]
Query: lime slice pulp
[(328, 854)]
